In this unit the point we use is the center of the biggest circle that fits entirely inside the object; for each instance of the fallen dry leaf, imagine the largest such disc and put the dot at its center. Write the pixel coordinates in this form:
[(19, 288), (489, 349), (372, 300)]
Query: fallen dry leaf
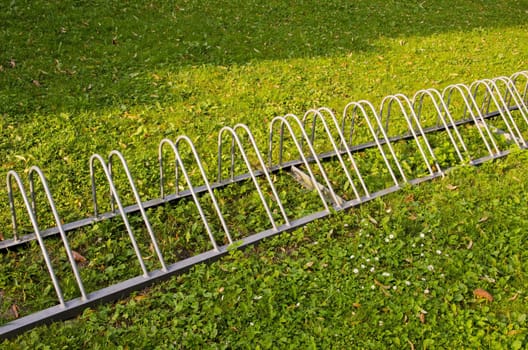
[(422, 317), (484, 218), (78, 257), (309, 264), (482, 294), (36, 82), (451, 187), (12, 63), (378, 283), (409, 198), (371, 219), (356, 305), (488, 279), (514, 332), (221, 290), (15, 310), (140, 297)]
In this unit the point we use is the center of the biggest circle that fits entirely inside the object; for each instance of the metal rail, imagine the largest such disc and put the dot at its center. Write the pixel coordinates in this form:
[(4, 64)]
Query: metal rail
[(506, 97), (285, 166)]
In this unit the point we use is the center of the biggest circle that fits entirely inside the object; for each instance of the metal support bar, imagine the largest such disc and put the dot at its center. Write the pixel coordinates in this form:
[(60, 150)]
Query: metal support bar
[(354, 112), (285, 166)]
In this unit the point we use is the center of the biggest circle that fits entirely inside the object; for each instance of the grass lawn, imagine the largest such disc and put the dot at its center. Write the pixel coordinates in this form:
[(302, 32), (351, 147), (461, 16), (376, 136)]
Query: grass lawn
[(84, 77)]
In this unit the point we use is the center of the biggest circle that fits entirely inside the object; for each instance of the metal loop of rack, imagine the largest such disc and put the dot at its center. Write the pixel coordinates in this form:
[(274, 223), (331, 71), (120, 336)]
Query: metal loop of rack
[(492, 120)]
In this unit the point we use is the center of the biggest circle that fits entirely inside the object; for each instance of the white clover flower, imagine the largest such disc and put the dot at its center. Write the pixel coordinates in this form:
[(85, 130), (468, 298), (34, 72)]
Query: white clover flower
[(391, 236), (355, 271), (367, 260), (386, 240), (380, 323), (394, 287), (363, 266), (385, 274), (376, 258), (426, 291), (407, 283), (372, 287), (352, 256), (430, 268), (372, 269), (439, 252), (422, 235)]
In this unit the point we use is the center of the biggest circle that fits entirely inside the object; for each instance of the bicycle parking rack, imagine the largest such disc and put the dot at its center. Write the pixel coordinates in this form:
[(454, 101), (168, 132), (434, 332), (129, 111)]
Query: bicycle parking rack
[(494, 112)]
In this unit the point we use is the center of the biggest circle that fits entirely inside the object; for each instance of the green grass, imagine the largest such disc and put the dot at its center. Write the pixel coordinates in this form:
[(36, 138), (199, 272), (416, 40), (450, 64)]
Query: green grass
[(359, 279), (92, 76)]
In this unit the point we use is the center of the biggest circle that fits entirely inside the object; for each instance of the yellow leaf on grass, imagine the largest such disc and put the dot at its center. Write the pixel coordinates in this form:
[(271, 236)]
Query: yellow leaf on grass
[(140, 297)]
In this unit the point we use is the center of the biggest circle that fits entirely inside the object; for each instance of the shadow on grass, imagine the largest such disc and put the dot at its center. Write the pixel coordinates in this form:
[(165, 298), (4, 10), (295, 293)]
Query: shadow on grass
[(86, 55)]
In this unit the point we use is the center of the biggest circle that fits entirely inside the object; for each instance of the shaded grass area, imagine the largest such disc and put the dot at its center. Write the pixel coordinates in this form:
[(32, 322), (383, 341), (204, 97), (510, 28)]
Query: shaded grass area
[(70, 56)]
